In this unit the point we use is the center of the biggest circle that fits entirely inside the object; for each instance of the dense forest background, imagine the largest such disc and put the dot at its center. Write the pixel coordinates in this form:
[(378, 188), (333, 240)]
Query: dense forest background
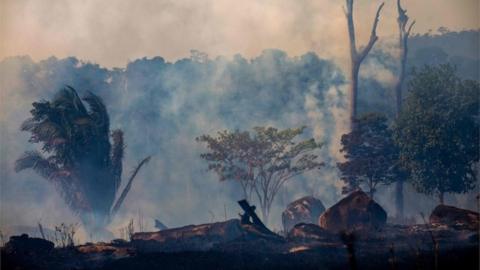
[(163, 106)]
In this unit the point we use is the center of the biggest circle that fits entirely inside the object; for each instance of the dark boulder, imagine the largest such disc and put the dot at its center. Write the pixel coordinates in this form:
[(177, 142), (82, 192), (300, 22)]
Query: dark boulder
[(28, 245), (304, 210), (455, 217), (357, 211)]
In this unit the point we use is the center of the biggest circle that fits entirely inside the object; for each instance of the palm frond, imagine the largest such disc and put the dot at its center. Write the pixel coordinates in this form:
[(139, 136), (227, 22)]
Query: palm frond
[(34, 160), (67, 99), (62, 179), (41, 110), (28, 124), (98, 112), (125, 191), (46, 131)]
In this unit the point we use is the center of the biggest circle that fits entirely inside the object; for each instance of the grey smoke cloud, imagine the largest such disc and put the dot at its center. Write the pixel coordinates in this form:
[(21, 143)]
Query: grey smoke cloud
[(115, 31), (162, 107)]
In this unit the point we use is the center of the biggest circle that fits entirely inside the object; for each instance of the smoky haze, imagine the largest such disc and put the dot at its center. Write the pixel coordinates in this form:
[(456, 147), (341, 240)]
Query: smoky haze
[(113, 33), (162, 107), (163, 104)]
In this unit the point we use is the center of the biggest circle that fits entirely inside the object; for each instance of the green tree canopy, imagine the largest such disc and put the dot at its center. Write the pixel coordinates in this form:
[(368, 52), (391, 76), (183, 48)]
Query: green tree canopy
[(370, 154), (261, 162), (437, 131)]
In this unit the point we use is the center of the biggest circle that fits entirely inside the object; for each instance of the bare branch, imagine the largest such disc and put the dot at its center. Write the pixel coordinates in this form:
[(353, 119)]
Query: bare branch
[(402, 13), (357, 57), (410, 28), (373, 35)]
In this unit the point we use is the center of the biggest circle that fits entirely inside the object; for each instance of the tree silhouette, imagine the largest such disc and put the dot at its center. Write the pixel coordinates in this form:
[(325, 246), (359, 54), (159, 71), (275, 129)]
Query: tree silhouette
[(78, 156)]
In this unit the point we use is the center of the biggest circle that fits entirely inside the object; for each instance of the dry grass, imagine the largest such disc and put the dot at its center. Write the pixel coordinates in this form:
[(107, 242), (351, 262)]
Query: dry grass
[(64, 235), (127, 231)]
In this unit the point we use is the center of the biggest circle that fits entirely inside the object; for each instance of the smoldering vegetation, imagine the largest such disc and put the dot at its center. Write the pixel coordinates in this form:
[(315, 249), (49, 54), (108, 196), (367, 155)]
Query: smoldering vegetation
[(162, 106)]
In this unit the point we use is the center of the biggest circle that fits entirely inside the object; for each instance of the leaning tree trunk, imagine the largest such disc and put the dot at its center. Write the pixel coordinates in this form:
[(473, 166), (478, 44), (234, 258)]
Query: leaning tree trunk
[(404, 33), (357, 56)]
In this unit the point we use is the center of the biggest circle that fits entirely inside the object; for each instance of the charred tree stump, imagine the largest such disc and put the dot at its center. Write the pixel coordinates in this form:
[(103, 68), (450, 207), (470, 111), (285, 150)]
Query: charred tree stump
[(250, 213)]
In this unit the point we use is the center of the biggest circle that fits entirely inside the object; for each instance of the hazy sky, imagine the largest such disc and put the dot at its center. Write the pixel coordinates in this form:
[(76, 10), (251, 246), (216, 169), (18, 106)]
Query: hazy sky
[(112, 32)]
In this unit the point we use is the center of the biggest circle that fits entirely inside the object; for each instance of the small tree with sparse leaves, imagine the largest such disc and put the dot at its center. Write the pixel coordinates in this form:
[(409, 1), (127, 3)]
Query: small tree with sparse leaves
[(262, 161)]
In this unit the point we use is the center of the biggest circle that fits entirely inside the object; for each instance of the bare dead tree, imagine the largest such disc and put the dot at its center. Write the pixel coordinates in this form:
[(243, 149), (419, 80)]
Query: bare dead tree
[(357, 56), (404, 33)]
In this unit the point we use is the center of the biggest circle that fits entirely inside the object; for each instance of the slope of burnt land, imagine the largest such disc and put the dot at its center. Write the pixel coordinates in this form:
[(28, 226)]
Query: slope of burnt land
[(232, 245)]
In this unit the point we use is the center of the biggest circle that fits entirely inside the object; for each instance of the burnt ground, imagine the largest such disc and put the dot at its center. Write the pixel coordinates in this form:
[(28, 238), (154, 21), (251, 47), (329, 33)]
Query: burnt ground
[(392, 248), (467, 259), (460, 258)]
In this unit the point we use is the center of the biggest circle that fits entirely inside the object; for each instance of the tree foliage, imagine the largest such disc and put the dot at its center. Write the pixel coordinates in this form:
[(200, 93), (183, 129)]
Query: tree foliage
[(438, 131), (78, 156), (260, 162), (370, 153)]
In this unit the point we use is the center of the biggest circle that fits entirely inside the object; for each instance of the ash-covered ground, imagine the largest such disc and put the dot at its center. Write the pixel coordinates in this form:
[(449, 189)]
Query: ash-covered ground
[(352, 234)]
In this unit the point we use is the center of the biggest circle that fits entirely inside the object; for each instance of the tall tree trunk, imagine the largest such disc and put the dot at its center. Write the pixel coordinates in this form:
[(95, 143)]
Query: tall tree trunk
[(265, 214), (353, 93), (357, 56), (403, 48), (399, 199)]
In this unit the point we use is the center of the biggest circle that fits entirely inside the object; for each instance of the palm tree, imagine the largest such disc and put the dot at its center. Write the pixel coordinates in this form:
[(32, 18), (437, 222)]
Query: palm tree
[(81, 157)]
